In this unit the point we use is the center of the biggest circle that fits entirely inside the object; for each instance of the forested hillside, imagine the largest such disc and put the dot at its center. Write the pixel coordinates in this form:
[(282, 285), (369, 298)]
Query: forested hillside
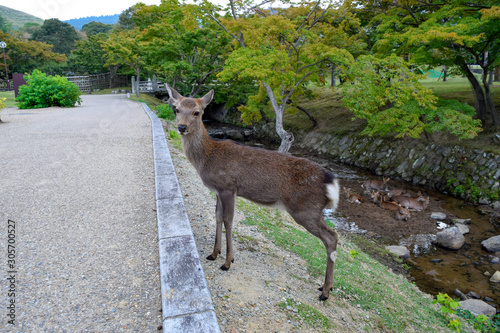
[(18, 18)]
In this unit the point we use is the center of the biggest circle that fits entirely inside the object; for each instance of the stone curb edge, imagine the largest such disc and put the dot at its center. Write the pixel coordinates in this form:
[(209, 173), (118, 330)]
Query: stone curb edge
[(186, 302)]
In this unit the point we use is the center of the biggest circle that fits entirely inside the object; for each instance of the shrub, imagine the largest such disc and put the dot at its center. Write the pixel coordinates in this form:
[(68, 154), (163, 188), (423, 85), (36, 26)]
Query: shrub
[(44, 91), (2, 105), (165, 112)]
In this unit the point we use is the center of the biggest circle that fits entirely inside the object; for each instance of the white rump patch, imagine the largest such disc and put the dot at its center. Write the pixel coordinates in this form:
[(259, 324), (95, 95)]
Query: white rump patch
[(332, 192), (333, 256)]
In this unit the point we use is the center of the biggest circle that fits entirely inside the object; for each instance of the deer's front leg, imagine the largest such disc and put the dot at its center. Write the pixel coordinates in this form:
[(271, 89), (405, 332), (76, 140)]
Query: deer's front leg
[(218, 233), (227, 200)]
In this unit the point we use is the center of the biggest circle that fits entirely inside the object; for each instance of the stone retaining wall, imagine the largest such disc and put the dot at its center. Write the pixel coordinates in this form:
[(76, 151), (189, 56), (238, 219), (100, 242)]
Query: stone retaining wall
[(470, 174)]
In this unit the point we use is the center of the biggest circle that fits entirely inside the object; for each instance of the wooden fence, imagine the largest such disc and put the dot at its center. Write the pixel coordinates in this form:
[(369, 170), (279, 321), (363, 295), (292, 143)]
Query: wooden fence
[(6, 87), (90, 83)]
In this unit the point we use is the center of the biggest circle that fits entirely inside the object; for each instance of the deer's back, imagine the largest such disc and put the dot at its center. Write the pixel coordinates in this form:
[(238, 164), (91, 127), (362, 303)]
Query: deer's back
[(266, 177)]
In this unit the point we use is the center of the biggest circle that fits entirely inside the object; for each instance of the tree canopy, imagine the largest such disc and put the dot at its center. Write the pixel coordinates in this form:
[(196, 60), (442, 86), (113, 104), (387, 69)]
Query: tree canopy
[(60, 35), (454, 33)]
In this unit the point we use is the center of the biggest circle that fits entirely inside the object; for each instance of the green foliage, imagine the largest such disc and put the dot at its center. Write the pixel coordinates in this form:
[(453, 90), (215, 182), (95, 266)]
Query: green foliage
[(165, 112), (5, 25), (2, 103), (354, 253), (89, 57), (388, 95), (61, 35), (454, 34), (24, 56), (45, 91), (94, 28), (481, 322)]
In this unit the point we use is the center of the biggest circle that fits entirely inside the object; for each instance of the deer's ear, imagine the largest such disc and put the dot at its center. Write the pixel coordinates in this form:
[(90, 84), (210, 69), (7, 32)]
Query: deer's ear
[(174, 95), (207, 98)]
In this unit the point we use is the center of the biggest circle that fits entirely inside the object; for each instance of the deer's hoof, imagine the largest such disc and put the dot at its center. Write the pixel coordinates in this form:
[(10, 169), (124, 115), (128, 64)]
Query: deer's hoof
[(210, 257), (322, 298), (224, 268)]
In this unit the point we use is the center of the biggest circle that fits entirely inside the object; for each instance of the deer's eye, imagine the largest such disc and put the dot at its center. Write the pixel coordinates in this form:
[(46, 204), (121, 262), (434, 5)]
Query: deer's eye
[(196, 113)]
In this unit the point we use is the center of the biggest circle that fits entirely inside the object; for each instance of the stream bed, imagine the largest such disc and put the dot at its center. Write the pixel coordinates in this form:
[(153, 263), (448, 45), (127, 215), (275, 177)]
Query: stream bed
[(432, 268)]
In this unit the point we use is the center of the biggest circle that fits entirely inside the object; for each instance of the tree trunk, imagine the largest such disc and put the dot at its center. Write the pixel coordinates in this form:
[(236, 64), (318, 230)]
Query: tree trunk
[(286, 137), (490, 104), (445, 74), (137, 91), (481, 110)]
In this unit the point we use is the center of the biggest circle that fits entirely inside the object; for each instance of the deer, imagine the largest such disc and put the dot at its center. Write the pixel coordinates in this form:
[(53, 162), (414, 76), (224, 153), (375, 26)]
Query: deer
[(418, 204), (270, 178), (352, 197), (376, 184), (401, 212), (397, 192)]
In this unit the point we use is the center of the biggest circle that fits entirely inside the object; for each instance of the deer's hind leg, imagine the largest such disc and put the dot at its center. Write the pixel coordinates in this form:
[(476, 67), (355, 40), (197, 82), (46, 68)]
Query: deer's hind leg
[(329, 237)]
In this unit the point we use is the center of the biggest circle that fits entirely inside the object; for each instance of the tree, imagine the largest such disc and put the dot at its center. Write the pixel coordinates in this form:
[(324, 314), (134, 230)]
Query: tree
[(126, 47), (282, 50), (60, 35), (388, 95), (94, 28), (5, 26), (453, 33), (182, 45), (24, 56), (89, 57)]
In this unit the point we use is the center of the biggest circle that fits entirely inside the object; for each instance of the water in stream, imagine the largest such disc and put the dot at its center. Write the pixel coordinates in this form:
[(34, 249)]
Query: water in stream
[(435, 269)]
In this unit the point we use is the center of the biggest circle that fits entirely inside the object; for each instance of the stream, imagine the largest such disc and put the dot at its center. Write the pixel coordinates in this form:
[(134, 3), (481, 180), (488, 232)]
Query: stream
[(433, 269)]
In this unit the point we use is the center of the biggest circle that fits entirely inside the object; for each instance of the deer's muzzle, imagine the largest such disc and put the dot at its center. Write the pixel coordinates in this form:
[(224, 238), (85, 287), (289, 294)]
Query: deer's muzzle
[(182, 128)]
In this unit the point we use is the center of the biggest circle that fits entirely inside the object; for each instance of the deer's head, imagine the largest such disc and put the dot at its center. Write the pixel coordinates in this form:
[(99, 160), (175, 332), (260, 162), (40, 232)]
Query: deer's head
[(188, 111)]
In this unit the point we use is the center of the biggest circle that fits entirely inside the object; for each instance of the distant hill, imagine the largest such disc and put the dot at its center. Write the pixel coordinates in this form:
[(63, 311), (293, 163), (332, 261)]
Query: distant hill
[(18, 18), (80, 22)]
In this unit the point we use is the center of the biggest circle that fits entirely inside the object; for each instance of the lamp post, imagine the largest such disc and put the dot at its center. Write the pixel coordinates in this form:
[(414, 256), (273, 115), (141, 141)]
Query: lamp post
[(3, 45)]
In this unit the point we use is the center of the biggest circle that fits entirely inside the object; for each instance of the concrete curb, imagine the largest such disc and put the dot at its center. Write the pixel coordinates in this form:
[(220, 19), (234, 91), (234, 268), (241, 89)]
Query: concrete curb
[(186, 301)]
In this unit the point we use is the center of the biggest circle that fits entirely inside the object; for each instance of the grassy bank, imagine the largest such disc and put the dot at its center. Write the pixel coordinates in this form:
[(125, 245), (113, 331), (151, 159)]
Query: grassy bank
[(333, 118), (392, 303), (10, 99)]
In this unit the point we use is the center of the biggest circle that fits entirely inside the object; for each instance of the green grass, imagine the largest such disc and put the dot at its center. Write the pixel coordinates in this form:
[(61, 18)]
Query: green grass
[(394, 304), (305, 314), (9, 95)]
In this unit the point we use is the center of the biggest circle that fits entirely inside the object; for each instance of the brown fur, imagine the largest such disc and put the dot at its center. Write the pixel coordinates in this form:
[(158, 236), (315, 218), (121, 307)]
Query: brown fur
[(417, 204), (376, 184)]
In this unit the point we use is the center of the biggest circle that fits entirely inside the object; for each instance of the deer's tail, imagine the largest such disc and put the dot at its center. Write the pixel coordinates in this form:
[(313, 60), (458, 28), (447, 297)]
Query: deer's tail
[(332, 190)]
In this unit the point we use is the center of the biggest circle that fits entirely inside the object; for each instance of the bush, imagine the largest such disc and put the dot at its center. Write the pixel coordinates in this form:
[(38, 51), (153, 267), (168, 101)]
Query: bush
[(44, 91), (2, 105), (165, 112)]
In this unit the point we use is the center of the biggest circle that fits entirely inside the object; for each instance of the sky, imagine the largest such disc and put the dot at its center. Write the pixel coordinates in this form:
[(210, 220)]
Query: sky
[(70, 9)]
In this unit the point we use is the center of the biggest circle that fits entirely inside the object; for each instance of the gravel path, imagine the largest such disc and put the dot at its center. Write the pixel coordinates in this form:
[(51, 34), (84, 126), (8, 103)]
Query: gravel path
[(79, 185)]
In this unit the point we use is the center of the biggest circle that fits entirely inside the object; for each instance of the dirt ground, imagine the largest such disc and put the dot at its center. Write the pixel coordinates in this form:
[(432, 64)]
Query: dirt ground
[(369, 216)]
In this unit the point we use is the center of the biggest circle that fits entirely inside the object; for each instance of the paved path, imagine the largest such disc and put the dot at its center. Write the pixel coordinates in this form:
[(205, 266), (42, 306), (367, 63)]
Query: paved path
[(79, 184)]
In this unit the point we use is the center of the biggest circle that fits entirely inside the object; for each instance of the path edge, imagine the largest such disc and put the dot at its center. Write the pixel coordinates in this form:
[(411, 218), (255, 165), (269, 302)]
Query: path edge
[(186, 302)]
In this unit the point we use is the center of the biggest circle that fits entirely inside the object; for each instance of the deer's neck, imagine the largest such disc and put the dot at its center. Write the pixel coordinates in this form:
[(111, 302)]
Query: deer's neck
[(198, 146)]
